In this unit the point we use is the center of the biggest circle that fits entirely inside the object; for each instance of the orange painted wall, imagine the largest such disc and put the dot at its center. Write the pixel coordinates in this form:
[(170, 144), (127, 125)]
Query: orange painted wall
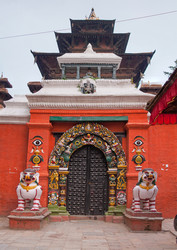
[(159, 145), (42, 130), (133, 130), (162, 151), (13, 143), (40, 125)]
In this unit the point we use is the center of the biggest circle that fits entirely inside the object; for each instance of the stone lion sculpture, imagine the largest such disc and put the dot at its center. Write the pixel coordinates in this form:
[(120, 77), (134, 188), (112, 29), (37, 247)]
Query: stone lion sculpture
[(29, 191), (145, 191)]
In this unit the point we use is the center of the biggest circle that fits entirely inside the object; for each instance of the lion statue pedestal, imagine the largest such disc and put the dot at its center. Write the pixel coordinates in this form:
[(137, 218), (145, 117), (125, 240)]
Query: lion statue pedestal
[(29, 214), (143, 214)]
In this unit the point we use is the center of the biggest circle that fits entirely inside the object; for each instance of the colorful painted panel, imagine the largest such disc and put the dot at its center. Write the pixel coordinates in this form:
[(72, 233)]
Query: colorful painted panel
[(138, 158), (83, 134), (36, 151)]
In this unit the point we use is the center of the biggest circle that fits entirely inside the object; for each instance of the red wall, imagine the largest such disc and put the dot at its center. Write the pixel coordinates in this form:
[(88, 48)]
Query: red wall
[(160, 149), (163, 150), (13, 144)]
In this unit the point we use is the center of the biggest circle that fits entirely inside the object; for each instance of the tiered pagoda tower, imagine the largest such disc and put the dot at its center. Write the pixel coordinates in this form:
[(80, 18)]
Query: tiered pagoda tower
[(4, 95), (99, 33)]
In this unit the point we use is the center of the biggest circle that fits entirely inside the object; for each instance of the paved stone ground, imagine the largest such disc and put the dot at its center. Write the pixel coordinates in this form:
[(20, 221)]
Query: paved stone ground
[(86, 235)]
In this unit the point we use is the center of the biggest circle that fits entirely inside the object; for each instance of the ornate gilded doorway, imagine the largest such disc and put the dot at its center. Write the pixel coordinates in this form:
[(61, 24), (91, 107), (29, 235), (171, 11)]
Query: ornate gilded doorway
[(87, 185), (87, 171)]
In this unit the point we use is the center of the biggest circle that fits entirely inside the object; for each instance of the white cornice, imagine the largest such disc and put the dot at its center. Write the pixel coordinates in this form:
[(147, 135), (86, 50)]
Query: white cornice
[(16, 111), (89, 57), (47, 105), (110, 94)]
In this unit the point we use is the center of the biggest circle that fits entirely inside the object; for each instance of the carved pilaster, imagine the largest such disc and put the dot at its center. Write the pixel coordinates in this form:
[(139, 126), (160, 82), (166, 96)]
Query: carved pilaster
[(112, 186), (62, 186)]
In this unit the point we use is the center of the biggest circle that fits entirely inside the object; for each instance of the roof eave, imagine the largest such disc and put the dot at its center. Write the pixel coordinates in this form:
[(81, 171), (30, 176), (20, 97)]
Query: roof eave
[(151, 104)]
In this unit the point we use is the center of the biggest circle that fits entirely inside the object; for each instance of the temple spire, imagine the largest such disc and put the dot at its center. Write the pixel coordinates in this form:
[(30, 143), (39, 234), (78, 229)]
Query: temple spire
[(92, 15)]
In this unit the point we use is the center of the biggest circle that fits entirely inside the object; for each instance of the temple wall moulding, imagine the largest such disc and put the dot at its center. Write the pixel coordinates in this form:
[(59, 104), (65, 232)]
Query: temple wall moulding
[(78, 136)]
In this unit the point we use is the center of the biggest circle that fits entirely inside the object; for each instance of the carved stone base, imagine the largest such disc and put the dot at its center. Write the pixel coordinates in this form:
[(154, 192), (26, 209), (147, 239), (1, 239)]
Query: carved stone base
[(116, 210), (27, 219), (58, 210), (143, 221)]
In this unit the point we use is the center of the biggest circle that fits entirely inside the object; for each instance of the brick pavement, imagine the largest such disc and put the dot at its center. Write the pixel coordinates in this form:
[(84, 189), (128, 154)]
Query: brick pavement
[(86, 235)]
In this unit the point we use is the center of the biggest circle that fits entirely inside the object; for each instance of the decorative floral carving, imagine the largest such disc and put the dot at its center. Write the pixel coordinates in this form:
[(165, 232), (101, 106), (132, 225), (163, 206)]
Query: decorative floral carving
[(53, 179), (53, 198), (121, 198), (112, 180), (121, 179), (63, 179), (83, 134), (112, 201)]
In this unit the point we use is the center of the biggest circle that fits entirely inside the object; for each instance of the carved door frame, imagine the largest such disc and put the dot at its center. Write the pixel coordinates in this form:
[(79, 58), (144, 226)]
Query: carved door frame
[(76, 137)]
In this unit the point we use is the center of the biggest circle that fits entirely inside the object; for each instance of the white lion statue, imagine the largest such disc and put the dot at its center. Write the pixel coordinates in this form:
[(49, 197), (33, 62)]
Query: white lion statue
[(29, 191), (145, 191)]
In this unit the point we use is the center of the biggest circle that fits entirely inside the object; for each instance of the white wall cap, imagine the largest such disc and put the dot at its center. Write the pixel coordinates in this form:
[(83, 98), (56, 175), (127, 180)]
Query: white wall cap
[(16, 111), (110, 93)]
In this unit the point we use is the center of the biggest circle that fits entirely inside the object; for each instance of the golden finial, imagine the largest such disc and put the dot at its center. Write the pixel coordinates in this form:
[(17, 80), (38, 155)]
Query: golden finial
[(92, 15)]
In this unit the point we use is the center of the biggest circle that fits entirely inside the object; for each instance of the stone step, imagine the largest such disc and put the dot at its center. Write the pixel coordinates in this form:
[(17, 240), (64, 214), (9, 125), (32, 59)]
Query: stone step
[(106, 218)]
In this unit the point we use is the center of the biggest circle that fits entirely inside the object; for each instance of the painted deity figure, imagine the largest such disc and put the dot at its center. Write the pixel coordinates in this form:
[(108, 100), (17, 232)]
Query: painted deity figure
[(29, 191), (145, 191)]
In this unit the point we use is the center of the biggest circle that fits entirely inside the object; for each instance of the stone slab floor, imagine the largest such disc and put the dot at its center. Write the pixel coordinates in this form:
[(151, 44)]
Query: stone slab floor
[(85, 235)]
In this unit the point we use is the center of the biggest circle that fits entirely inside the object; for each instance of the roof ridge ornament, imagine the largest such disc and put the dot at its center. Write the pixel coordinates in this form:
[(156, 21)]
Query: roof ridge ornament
[(92, 15), (89, 49)]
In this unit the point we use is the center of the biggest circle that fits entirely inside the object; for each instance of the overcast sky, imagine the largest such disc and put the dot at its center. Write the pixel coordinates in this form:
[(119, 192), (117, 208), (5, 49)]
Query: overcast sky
[(20, 17)]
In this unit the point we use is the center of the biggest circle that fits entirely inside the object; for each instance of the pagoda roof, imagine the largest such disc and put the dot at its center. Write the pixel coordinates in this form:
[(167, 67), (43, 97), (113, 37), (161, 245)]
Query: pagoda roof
[(132, 65), (90, 57), (47, 64), (34, 86), (65, 42), (92, 25), (4, 95), (5, 82)]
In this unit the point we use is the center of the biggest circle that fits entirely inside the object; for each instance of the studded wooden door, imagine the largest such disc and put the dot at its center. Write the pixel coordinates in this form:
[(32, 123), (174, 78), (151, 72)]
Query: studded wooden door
[(87, 185)]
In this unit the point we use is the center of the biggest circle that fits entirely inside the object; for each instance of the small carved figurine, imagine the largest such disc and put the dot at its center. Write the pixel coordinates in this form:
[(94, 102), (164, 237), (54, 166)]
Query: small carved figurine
[(145, 191), (88, 86), (28, 190)]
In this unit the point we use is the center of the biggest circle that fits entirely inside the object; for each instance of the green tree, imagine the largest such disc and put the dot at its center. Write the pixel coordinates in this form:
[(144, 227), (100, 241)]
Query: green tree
[(172, 68)]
